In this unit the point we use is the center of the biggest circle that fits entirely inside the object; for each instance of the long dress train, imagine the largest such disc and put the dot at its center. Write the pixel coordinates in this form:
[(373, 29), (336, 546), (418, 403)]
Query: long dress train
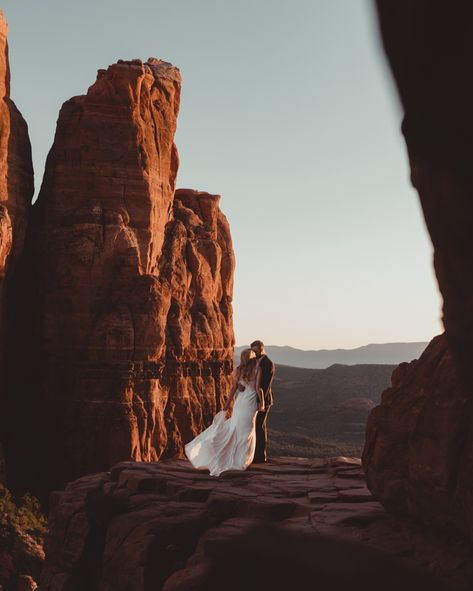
[(228, 444)]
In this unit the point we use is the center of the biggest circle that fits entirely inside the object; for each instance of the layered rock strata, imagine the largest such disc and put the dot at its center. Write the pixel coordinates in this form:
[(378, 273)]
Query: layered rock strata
[(128, 282), (167, 526)]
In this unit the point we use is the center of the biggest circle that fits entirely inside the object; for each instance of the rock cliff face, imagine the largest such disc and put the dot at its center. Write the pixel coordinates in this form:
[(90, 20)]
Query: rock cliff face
[(419, 446), (164, 525), (430, 49), (16, 192), (129, 282), (419, 451)]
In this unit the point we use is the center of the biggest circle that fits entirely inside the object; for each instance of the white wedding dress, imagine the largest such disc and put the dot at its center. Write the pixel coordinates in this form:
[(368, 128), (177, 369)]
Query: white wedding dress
[(228, 444)]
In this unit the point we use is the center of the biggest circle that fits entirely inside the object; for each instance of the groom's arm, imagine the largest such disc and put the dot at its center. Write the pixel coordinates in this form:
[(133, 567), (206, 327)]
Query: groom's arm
[(259, 389), (268, 375)]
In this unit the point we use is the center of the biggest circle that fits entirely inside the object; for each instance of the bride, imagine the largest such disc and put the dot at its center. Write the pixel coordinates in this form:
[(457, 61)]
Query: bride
[(229, 444)]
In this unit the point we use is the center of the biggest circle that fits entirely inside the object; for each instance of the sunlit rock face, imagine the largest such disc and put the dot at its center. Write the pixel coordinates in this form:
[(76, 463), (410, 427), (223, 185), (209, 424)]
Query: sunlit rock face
[(418, 455), (16, 170), (16, 192), (129, 282)]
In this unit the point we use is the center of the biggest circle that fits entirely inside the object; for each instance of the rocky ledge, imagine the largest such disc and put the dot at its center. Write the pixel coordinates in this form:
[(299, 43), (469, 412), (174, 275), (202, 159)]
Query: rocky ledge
[(161, 525)]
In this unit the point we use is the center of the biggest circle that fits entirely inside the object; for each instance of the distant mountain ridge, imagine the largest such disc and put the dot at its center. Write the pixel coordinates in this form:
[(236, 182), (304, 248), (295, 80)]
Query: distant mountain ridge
[(382, 353)]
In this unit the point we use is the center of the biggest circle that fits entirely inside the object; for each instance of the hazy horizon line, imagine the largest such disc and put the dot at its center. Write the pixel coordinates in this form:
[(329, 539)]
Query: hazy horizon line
[(343, 348)]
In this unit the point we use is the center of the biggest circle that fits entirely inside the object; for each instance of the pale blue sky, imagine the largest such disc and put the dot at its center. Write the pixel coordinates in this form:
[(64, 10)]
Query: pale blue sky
[(289, 112)]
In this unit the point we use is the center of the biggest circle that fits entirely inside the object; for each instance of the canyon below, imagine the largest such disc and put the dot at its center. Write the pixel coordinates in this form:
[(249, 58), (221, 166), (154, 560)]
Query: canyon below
[(117, 347), (323, 413)]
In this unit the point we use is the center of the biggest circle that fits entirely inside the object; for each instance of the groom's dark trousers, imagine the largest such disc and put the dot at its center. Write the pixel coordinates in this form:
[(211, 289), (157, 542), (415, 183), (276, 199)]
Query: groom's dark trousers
[(267, 374)]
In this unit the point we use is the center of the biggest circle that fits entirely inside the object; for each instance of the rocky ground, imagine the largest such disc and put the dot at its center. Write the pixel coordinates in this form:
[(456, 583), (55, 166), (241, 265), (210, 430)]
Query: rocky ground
[(162, 525)]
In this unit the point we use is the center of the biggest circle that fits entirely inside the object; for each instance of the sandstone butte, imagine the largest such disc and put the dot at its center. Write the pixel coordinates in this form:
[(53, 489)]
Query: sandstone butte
[(123, 298)]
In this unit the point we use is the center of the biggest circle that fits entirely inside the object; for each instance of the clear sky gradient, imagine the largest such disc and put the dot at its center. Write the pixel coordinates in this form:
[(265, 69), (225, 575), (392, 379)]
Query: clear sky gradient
[(289, 112)]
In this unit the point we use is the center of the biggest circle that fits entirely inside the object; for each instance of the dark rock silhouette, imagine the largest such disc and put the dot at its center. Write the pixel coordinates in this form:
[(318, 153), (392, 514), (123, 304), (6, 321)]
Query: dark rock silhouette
[(273, 557), (419, 450), (3, 473), (429, 48)]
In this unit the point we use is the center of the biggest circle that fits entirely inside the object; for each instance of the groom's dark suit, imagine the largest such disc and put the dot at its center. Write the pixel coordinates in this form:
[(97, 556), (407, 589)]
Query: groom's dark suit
[(267, 374)]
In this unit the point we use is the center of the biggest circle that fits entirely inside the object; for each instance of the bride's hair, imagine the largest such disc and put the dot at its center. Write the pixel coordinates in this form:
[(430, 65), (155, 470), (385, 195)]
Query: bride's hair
[(247, 365)]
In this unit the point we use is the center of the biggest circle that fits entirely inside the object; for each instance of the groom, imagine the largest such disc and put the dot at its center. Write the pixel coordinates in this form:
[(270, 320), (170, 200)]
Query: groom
[(267, 374)]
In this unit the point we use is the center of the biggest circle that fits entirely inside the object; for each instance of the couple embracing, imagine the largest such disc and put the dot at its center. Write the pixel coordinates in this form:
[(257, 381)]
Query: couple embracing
[(237, 442)]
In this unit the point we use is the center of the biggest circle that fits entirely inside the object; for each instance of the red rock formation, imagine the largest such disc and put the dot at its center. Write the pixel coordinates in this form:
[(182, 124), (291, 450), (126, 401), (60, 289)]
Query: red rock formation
[(419, 446), (419, 452), (162, 525), (16, 192), (429, 48), (16, 169), (130, 283)]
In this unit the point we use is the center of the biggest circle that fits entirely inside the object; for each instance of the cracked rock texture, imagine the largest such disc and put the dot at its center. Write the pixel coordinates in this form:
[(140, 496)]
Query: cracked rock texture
[(164, 525), (124, 294)]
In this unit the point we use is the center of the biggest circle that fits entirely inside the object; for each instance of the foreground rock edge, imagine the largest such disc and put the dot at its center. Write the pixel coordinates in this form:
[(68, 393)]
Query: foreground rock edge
[(153, 525)]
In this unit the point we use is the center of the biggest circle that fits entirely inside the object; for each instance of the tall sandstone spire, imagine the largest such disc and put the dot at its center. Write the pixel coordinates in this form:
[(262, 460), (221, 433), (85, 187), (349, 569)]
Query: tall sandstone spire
[(129, 284)]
